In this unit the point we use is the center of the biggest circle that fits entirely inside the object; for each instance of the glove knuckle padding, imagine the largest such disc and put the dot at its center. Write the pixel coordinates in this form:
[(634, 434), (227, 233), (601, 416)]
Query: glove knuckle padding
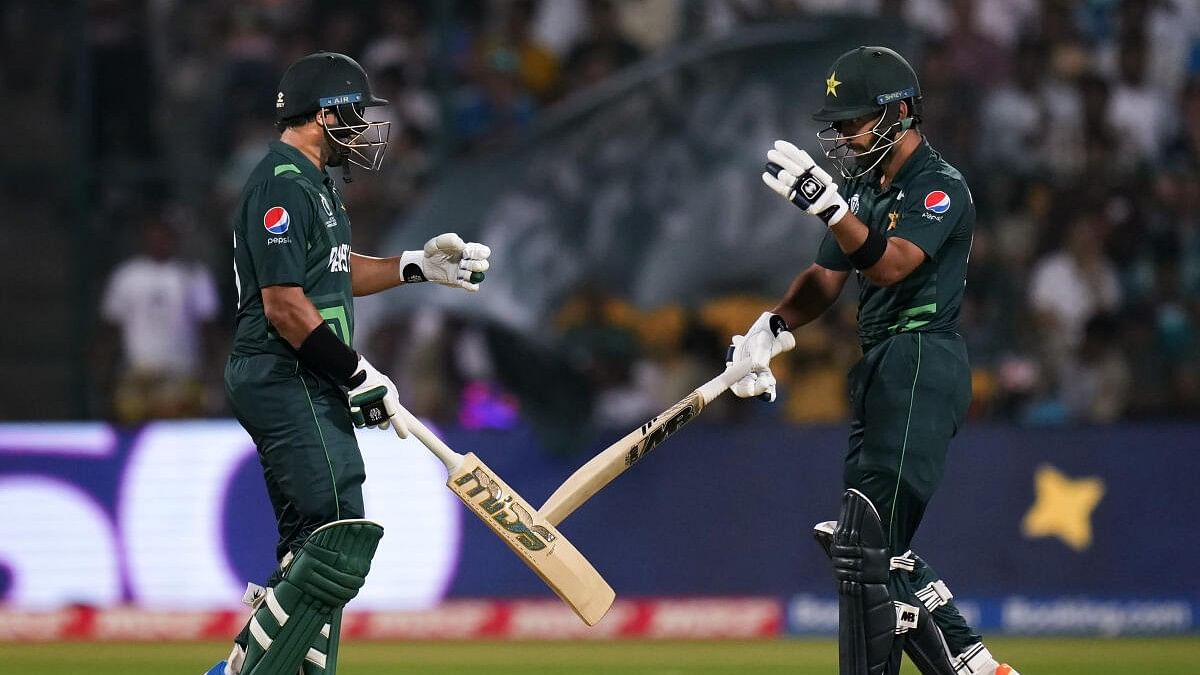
[(327, 573), (867, 617), (822, 175), (477, 251), (789, 166), (447, 243)]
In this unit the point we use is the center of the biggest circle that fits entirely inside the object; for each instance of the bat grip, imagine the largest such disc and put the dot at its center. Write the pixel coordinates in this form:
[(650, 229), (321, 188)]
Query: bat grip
[(734, 371)]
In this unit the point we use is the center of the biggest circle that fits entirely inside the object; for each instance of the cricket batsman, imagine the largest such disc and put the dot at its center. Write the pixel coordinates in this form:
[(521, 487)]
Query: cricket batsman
[(906, 234), (294, 380)]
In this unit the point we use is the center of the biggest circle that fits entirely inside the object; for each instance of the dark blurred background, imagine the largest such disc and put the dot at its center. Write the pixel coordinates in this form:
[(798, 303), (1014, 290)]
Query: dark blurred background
[(132, 124)]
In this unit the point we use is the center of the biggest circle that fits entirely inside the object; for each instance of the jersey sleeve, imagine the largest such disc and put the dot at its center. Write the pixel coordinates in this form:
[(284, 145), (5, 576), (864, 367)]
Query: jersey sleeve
[(278, 217), (830, 255), (933, 206)]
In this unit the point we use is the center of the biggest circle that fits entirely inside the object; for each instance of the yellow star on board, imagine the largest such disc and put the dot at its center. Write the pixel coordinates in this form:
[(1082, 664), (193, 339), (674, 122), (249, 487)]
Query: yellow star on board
[(831, 84), (1063, 507)]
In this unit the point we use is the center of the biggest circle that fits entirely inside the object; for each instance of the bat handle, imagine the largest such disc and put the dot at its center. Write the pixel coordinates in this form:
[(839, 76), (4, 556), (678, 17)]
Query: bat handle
[(734, 371), (443, 452)]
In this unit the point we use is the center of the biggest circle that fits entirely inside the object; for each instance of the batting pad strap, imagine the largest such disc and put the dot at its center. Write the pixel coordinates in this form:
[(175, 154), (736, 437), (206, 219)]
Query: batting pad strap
[(935, 594), (906, 562)]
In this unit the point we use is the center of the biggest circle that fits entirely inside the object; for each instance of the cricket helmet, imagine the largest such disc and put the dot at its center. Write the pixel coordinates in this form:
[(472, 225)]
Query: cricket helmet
[(867, 82), (335, 82)]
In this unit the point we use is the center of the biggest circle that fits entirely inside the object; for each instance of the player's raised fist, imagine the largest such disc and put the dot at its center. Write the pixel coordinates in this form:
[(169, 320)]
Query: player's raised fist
[(448, 260)]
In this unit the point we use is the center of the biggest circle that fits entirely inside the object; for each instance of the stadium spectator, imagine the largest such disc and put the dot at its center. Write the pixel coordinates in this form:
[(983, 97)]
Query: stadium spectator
[(535, 65), (161, 309), (1030, 122), (497, 108), (1095, 384), (604, 49), (1136, 113), (1070, 285)]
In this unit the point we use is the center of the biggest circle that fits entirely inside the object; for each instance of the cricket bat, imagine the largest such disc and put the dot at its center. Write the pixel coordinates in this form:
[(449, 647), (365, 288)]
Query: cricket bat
[(531, 537), (618, 457)]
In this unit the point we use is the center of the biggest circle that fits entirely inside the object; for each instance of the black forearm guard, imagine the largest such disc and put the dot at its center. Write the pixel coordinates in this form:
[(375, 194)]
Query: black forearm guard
[(870, 252), (324, 353)]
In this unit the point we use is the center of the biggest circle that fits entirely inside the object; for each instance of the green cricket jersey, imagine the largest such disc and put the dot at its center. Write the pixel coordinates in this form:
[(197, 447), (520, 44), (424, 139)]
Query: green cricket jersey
[(291, 228), (929, 205)]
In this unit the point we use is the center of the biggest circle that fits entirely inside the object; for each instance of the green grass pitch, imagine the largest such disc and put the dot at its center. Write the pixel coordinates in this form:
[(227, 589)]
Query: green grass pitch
[(1042, 656)]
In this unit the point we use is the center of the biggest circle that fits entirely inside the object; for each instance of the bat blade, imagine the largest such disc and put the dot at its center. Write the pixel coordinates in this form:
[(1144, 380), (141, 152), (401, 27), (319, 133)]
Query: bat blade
[(534, 539), (618, 457)]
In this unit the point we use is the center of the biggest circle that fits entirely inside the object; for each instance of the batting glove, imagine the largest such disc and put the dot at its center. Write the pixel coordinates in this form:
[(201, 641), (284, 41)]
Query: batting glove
[(793, 174), (447, 260), (374, 401), (767, 337)]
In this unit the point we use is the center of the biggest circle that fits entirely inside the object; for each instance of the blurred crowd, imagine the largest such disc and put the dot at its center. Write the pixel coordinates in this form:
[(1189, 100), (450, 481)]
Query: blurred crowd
[(1076, 122)]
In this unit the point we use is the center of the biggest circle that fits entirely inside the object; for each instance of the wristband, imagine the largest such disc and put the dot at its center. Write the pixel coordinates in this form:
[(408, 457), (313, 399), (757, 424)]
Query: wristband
[(870, 252), (324, 353), (777, 325), (410, 267)]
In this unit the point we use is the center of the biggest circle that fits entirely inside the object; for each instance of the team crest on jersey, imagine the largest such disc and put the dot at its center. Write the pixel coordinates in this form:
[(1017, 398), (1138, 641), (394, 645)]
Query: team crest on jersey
[(854, 201), (937, 201), (276, 220)]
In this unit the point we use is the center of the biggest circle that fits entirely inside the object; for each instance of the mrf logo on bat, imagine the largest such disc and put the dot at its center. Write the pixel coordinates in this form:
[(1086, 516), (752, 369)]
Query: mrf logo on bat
[(677, 418), (501, 508)]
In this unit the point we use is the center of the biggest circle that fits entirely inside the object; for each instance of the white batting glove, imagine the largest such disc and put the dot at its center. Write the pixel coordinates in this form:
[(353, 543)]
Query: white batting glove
[(447, 260), (374, 401), (793, 174), (767, 337)]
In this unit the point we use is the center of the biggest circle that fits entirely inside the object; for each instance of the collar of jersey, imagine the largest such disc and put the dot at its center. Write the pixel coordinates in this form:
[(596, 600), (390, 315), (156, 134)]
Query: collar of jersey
[(913, 164), (297, 158)]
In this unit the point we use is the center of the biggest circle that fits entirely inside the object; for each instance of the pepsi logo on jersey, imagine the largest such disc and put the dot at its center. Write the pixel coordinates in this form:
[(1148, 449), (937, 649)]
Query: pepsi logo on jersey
[(276, 220), (937, 201)]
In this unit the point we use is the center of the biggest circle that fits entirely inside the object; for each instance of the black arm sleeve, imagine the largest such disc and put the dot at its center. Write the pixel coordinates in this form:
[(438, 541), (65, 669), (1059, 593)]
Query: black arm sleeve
[(323, 352)]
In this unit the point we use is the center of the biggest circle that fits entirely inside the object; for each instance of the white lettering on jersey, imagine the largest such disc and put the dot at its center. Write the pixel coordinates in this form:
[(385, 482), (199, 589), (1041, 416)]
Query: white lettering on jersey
[(339, 258)]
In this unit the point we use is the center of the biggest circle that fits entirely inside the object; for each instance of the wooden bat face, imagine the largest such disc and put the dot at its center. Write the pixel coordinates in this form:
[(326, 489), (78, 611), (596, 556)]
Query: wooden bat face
[(536, 541)]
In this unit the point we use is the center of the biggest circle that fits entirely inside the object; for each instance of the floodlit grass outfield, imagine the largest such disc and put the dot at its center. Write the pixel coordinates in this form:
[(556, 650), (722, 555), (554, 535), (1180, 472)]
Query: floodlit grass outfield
[(1045, 656)]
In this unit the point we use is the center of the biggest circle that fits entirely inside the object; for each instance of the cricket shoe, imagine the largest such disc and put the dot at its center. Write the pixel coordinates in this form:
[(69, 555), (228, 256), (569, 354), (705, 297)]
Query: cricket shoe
[(219, 669), (1005, 669)]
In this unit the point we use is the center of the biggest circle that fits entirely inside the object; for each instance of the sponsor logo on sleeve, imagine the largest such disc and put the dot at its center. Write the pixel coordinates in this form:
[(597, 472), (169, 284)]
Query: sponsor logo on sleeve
[(277, 220), (937, 202)]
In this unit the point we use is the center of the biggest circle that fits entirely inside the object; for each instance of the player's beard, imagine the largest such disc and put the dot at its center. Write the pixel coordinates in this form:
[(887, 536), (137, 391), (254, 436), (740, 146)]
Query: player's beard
[(337, 153)]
